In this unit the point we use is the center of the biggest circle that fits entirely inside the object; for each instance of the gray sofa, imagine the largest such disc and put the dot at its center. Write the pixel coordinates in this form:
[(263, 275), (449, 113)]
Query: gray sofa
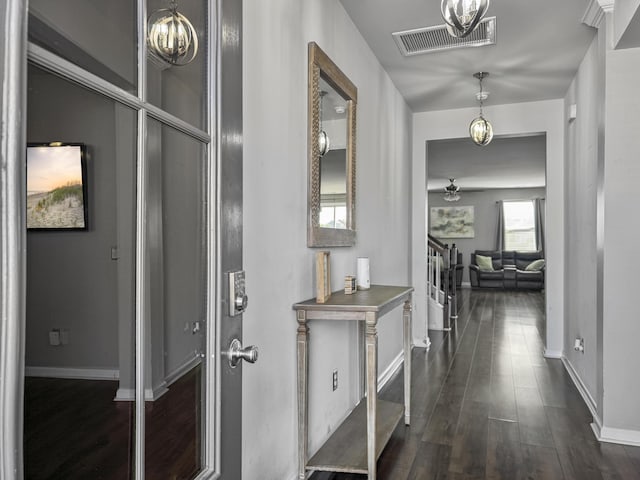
[(509, 270)]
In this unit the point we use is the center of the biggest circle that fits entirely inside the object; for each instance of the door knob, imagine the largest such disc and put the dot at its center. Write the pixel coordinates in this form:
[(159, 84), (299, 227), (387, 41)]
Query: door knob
[(237, 353)]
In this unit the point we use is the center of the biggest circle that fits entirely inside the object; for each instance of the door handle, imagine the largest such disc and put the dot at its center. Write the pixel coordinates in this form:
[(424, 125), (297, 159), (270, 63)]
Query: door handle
[(236, 353)]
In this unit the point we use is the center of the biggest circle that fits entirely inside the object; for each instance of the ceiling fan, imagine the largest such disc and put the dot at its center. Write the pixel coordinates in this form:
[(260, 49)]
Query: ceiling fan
[(451, 191)]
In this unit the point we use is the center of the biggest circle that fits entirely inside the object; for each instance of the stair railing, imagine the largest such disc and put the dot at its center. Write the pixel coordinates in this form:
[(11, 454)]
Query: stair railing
[(441, 282)]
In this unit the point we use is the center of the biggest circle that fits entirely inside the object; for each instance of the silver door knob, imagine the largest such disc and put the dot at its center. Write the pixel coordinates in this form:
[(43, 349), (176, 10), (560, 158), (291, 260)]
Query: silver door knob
[(237, 353)]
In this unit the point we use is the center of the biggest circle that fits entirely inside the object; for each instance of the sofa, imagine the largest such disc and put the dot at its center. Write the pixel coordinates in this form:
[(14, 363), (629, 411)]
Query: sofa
[(507, 269)]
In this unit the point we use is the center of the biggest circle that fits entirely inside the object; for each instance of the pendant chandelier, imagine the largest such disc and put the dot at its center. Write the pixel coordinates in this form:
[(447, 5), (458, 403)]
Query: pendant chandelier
[(480, 130), (463, 16), (451, 191), (171, 36)]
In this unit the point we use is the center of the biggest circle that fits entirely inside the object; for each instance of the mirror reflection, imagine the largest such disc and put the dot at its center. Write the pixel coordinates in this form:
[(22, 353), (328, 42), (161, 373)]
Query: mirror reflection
[(332, 122), (333, 164)]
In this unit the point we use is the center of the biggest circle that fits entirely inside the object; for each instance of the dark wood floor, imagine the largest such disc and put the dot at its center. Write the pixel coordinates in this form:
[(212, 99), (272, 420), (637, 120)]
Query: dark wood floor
[(74, 430), (486, 404)]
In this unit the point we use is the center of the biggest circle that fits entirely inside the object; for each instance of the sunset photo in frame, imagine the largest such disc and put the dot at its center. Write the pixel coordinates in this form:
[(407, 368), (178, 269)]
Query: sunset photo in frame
[(56, 186)]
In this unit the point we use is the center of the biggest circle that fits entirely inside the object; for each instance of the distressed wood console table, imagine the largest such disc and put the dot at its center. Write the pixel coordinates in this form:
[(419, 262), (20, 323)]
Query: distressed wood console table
[(357, 443)]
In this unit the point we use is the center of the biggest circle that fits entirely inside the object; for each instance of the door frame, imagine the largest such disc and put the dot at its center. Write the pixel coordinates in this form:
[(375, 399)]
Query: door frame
[(13, 106)]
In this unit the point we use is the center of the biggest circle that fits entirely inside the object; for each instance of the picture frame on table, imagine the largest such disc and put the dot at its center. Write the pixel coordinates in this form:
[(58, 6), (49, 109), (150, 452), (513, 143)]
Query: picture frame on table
[(323, 276)]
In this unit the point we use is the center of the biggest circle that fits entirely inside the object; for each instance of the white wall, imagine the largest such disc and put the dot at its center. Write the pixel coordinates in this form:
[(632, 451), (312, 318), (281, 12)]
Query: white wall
[(622, 232), (514, 119), (278, 263), (486, 217), (581, 190)]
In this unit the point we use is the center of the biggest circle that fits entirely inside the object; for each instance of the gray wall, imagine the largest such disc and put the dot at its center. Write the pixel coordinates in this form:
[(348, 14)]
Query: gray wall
[(486, 217), (601, 231), (581, 167), (278, 263), (622, 231), (71, 279)]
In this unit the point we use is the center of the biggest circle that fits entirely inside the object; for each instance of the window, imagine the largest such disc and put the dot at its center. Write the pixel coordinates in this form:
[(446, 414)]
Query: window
[(519, 226)]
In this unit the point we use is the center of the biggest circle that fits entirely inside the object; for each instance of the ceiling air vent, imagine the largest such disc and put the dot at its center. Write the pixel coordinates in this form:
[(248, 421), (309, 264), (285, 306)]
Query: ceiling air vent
[(435, 39)]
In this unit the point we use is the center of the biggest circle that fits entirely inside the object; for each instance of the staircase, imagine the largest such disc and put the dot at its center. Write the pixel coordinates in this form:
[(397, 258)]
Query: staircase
[(441, 284)]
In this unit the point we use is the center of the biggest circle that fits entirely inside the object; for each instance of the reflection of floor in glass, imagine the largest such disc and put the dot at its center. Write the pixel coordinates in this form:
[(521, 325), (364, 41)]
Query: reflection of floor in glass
[(74, 430)]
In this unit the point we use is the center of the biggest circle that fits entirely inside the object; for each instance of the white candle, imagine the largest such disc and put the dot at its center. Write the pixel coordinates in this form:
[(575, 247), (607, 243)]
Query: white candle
[(362, 275)]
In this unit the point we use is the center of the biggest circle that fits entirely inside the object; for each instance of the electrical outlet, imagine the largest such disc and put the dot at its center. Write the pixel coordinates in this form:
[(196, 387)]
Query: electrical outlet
[(335, 380), (54, 337)]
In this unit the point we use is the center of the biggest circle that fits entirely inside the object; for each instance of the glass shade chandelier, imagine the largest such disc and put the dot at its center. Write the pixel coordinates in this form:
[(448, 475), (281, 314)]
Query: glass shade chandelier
[(451, 191), (463, 16), (171, 36), (480, 130), (324, 144)]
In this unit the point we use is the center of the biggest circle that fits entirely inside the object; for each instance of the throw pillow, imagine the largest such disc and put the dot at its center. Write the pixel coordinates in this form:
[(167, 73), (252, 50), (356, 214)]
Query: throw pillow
[(535, 266), (484, 263)]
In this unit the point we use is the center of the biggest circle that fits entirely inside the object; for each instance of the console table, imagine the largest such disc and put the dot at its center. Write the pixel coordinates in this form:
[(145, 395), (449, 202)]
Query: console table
[(357, 443)]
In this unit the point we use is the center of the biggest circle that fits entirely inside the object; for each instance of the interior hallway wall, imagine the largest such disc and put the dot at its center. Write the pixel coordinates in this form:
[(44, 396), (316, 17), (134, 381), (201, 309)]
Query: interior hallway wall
[(581, 186), (71, 279), (621, 416), (278, 263)]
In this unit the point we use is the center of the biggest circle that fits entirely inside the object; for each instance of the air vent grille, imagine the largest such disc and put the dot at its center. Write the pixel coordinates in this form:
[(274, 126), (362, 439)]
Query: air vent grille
[(435, 39)]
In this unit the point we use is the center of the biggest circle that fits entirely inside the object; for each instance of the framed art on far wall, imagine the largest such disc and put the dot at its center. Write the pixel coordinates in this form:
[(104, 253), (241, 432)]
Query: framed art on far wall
[(452, 222), (56, 186)]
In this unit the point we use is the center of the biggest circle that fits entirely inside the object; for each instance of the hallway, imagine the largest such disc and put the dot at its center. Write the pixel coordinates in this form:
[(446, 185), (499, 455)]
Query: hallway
[(486, 404)]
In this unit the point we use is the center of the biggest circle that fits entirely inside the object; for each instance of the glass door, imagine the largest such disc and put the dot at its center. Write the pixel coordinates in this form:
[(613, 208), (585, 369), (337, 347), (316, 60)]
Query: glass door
[(121, 355)]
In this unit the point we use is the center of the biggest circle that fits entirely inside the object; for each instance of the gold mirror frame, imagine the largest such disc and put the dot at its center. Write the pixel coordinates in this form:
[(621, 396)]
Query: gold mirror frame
[(321, 66)]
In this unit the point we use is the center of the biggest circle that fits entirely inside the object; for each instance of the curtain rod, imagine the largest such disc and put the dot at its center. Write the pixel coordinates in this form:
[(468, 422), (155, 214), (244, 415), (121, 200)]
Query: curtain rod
[(521, 199)]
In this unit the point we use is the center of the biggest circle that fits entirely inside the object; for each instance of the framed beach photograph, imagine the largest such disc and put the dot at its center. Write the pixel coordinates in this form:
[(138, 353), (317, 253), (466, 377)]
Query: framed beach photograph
[(452, 222), (56, 186)]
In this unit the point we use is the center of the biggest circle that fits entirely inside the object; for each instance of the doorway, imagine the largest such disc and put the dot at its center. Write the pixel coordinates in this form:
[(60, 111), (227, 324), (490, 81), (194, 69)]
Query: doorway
[(509, 169)]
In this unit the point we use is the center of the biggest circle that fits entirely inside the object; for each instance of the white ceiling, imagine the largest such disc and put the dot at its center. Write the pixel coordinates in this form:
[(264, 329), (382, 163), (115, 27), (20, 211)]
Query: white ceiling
[(540, 45)]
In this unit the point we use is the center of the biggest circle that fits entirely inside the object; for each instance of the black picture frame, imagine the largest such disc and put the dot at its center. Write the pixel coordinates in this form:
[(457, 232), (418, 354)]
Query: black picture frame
[(57, 187)]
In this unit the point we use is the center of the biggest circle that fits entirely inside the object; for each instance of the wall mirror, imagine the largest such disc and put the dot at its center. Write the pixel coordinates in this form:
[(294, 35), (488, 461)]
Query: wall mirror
[(332, 153)]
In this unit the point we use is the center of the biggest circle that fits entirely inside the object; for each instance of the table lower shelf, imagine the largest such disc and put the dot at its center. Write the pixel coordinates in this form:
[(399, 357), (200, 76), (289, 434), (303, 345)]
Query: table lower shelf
[(346, 450)]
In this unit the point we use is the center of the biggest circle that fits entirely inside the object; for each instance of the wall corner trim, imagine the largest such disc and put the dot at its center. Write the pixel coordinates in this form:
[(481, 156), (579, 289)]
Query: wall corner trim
[(619, 436), (552, 353)]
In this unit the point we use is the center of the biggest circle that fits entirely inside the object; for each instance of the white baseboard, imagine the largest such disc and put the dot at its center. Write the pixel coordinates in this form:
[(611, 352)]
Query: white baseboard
[(620, 436), (553, 354), (390, 371), (603, 434), (584, 392), (465, 285), (73, 373), (150, 395), (182, 369)]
